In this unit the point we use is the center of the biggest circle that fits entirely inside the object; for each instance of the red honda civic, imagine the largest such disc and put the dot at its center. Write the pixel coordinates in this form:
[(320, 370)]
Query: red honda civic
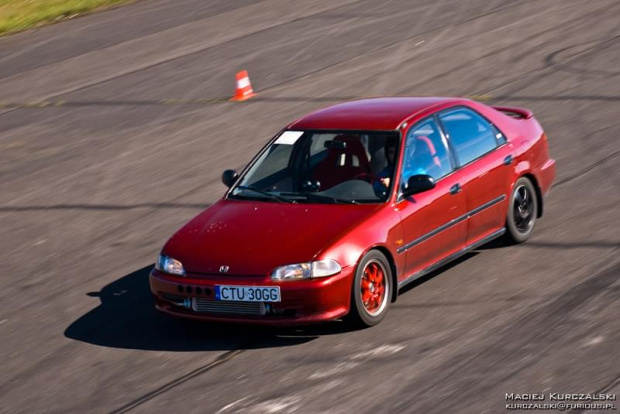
[(347, 205)]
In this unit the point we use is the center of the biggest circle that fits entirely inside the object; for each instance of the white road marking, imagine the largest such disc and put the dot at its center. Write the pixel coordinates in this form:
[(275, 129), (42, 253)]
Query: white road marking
[(343, 366), (357, 359), (231, 405), (594, 341), (380, 351), (328, 386), (278, 405)]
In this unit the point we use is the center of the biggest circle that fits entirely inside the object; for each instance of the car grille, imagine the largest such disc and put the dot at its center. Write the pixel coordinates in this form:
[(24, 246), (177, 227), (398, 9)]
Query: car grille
[(227, 307)]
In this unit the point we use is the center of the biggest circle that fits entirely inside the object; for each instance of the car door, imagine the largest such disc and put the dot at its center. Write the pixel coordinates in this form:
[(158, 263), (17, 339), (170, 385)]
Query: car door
[(432, 221), (484, 159)]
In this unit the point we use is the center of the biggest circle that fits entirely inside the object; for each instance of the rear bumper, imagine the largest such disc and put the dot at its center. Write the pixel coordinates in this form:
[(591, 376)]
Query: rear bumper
[(303, 302), (545, 175)]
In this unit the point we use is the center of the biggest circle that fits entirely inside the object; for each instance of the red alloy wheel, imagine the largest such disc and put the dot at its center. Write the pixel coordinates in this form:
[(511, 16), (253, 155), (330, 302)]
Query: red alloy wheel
[(373, 287)]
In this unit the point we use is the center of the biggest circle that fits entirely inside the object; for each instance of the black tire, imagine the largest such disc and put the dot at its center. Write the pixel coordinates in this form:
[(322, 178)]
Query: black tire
[(371, 312), (522, 211)]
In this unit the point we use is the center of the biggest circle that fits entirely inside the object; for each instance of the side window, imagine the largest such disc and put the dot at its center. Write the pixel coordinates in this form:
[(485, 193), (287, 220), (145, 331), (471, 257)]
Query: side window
[(501, 139), (425, 152), (471, 134)]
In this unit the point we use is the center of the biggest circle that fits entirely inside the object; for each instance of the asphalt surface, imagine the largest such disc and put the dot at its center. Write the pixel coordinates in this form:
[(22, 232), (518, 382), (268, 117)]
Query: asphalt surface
[(94, 181)]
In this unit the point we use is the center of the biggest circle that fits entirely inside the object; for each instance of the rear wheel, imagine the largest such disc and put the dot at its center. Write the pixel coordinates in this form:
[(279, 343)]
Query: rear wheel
[(372, 290), (522, 211)]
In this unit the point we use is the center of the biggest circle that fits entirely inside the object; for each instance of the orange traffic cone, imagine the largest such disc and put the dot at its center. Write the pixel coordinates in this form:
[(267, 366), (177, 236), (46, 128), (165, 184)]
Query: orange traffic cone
[(244, 87)]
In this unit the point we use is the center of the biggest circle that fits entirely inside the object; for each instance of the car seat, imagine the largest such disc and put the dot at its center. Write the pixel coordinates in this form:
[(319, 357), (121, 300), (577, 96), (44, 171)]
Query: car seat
[(342, 163), (427, 146)]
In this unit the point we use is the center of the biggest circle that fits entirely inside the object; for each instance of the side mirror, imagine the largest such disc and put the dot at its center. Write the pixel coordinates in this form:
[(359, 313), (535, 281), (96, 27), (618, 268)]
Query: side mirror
[(229, 177), (418, 184)]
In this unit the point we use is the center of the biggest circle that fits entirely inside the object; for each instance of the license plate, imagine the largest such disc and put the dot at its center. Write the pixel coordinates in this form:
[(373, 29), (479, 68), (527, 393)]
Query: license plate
[(248, 293)]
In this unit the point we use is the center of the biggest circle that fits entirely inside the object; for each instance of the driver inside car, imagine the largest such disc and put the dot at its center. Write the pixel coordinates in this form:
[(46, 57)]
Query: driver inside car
[(382, 183)]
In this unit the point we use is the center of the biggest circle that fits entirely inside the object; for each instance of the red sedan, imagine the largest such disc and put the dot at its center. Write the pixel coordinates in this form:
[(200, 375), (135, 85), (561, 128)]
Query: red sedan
[(347, 205)]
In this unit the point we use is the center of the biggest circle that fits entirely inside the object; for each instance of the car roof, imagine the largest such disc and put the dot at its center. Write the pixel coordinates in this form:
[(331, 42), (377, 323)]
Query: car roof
[(368, 114)]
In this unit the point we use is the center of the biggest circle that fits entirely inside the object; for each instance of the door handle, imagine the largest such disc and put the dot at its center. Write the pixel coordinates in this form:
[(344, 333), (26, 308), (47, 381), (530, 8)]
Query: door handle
[(455, 189), (508, 160)]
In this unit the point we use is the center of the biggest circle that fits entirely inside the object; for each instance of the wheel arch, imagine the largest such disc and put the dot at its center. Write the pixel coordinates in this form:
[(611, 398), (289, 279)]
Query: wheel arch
[(388, 255), (539, 197)]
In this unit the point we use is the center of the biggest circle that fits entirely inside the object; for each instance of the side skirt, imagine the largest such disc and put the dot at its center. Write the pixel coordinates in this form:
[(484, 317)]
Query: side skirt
[(450, 258)]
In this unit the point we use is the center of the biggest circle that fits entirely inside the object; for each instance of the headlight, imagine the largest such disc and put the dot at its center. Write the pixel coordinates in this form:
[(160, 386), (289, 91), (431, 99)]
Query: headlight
[(324, 268), (298, 271), (169, 265)]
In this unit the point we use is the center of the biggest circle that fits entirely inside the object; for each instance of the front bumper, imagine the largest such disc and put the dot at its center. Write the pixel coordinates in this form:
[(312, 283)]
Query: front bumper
[(303, 302)]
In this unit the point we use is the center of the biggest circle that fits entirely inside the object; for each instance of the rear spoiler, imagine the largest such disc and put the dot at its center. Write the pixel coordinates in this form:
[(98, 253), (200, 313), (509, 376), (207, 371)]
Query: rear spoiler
[(515, 111)]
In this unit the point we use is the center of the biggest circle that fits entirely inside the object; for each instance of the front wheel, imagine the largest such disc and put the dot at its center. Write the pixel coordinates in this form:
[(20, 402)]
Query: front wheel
[(372, 290), (522, 211)]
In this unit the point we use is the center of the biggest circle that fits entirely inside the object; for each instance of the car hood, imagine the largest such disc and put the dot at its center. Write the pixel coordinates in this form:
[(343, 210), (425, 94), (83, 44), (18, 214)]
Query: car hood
[(254, 237)]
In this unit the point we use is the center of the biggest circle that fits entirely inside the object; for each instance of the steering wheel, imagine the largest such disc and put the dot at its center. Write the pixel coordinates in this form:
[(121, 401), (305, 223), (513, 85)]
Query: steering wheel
[(368, 177)]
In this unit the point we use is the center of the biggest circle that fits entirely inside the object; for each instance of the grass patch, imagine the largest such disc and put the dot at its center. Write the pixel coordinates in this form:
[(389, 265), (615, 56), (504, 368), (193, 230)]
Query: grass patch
[(16, 15)]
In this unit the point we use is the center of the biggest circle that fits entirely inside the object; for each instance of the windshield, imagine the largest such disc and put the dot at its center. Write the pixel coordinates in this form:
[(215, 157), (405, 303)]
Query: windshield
[(323, 167)]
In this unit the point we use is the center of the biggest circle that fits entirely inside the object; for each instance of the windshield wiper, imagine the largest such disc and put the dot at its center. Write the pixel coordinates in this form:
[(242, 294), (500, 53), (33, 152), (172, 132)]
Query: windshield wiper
[(265, 193), (335, 200)]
